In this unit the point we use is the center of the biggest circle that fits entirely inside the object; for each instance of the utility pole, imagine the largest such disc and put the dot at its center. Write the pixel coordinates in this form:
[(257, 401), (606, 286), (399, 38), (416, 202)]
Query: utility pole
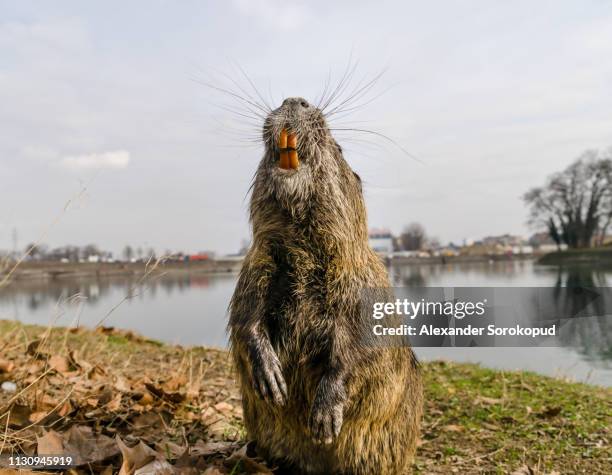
[(15, 241)]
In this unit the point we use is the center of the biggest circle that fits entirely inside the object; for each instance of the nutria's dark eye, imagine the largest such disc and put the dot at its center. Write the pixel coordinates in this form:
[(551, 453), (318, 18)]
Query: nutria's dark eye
[(304, 103)]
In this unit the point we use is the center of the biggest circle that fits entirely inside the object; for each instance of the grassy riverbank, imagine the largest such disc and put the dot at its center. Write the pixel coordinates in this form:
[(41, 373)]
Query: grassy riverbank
[(594, 256), (36, 270), (120, 389)]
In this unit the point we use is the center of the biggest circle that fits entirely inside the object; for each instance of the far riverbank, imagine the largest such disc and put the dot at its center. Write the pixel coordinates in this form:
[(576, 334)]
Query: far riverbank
[(594, 256), (71, 270), (53, 270)]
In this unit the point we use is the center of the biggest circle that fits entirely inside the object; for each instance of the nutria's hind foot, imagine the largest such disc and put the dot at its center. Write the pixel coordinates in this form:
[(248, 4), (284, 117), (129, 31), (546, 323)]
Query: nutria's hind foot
[(327, 411)]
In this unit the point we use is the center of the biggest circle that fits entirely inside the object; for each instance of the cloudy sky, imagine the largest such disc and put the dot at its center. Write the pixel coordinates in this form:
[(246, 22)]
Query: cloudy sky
[(102, 107)]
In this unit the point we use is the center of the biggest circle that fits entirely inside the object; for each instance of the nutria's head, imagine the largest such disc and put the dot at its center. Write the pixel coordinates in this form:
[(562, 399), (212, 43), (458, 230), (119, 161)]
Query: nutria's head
[(318, 174)]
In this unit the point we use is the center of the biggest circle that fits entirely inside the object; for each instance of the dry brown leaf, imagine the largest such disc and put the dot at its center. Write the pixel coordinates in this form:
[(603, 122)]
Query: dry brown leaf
[(222, 429), (6, 366), (170, 450), (19, 416), (92, 402), (147, 419), (224, 407), (134, 457), (156, 467), (38, 416), (48, 402), (193, 391), (175, 383), (206, 449), (32, 348), (115, 403), (122, 385), (160, 393), (212, 471), (488, 401), (524, 470), (146, 399), (88, 447), (96, 373), (51, 443), (452, 428), (209, 415), (65, 409), (249, 464), (35, 367), (77, 362), (59, 363)]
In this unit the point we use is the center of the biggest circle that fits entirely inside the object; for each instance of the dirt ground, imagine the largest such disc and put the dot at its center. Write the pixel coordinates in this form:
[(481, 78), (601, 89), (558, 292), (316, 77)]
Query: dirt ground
[(118, 403)]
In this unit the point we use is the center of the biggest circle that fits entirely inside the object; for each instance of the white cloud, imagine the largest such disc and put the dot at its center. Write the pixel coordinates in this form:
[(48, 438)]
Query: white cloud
[(113, 160), (283, 15)]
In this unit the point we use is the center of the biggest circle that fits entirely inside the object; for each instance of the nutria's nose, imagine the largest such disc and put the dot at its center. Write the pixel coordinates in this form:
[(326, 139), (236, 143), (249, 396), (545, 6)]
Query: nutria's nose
[(295, 102)]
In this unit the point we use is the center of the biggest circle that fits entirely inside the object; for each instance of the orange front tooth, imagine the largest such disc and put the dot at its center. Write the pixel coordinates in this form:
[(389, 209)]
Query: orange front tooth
[(292, 141), (284, 160), (282, 139), (293, 159)]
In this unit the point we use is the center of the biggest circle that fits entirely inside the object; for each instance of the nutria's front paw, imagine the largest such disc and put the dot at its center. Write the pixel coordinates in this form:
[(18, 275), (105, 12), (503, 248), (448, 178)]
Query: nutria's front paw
[(268, 379), (326, 414)]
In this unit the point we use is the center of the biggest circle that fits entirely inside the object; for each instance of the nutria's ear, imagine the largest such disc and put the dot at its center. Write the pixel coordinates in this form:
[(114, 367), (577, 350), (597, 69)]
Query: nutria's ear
[(338, 147)]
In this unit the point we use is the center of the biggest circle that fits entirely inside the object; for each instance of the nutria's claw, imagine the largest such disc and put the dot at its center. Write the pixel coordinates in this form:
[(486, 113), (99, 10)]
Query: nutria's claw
[(269, 381), (326, 421)]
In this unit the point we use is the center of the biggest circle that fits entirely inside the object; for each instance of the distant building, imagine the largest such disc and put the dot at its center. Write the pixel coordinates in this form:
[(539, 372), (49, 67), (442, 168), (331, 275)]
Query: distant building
[(504, 240), (381, 240), (200, 256), (543, 243), (522, 249)]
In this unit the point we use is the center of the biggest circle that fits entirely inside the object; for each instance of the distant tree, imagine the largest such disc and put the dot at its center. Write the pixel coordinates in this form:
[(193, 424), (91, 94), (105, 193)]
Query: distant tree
[(413, 237), (151, 254), (434, 243), (139, 253), (36, 251), (575, 205), (90, 250), (128, 253)]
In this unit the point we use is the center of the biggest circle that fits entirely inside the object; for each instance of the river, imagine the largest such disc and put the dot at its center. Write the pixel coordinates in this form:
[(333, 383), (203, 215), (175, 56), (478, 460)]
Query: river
[(192, 310)]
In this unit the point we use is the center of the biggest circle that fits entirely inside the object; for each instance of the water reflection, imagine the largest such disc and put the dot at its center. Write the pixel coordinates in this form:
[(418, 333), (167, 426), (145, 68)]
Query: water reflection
[(41, 293), (583, 292)]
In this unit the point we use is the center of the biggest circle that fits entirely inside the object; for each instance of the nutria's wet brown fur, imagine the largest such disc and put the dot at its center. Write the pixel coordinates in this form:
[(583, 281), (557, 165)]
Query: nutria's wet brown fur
[(318, 398)]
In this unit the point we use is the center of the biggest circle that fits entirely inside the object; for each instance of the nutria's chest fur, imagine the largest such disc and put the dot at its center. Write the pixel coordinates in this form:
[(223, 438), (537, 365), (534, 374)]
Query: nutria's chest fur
[(296, 315)]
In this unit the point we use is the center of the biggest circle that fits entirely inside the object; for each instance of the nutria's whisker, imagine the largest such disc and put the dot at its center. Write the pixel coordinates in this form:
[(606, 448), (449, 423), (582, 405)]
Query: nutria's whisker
[(233, 94), (342, 84), (256, 118), (357, 93), (265, 107), (325, 89), (381, 135), (254, 88), (347, 111)]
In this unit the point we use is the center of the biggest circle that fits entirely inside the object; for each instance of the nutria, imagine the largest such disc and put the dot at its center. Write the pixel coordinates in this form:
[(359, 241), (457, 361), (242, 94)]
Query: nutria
[(318, 398)]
